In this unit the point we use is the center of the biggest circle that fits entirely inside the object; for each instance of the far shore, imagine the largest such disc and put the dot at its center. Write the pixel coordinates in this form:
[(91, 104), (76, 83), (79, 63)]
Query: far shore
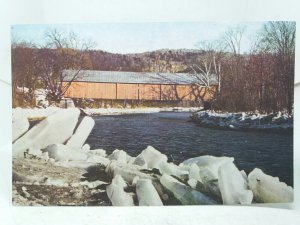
[(41, 113)]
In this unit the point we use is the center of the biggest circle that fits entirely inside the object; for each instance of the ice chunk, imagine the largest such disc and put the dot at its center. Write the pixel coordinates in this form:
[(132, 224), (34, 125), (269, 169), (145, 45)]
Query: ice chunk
[(82, 132), (55, 129), (92, 184), (185, 194), (117, 195), (127, 171), (193, 183), (119, 156), (146, 193), (139, 160), (151, 157), (20, 125), (232, 185), (98, 159), (194, 173), (172, 169), (86, 147), (99, 152), (208, 165), (268, 189), (61, 152)]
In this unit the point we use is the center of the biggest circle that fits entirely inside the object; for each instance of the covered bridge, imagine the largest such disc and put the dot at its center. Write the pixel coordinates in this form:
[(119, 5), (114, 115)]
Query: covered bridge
[(119, 85)]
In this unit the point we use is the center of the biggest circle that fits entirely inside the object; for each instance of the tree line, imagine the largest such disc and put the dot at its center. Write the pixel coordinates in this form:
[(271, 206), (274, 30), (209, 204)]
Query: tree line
[(261, 79)]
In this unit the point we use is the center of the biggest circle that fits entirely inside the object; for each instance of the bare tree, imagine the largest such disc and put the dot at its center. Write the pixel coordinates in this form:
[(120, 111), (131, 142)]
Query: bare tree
[(61, 51), (233, 37), (278, 39)]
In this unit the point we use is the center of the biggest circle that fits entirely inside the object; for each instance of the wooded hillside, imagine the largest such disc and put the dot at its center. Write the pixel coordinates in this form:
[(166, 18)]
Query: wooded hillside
[(262, 79)]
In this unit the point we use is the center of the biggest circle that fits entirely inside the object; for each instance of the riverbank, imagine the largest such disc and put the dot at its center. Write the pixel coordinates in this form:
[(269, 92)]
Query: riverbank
[(52, 158), (244, 121), (40, 113)]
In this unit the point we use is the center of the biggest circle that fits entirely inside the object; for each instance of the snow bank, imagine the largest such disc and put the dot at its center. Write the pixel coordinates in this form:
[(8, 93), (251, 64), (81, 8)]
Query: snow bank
[(119, 111), (244, 121)]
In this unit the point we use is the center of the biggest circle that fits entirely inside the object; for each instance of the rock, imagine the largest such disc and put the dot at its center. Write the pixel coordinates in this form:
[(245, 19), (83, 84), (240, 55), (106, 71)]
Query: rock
[(185, 194), (61, 152), (151, 157), (25, 193), (268, 189), (20, 125), (232, 185), (82, 132), (146, 193), (55, 129), (117, 195)]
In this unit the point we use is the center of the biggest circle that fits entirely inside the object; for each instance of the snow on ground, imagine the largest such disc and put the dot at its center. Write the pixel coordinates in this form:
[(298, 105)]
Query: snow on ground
[(118, 111), (37, 113)]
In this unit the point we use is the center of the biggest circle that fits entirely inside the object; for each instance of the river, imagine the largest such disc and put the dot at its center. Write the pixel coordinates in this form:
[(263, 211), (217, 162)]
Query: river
[(173, 135)]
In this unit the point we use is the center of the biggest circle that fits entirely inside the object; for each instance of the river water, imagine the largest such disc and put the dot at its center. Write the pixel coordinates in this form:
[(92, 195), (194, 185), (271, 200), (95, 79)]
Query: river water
[(173, 135)]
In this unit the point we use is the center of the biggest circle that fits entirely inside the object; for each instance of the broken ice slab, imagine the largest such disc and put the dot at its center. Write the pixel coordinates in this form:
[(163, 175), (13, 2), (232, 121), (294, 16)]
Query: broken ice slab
[(55, 129), (234, 189), (268, 189), (118, 155), (127, 171), (185, 194), (172, 169), (151, 157), (20, 125), (208, 166), (117, 195), (146, 193), (62, 153), (82, 132)]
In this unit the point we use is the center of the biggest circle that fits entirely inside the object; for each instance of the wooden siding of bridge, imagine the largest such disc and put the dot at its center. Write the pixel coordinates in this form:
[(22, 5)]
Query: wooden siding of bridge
[(127, 91), (137, 91)]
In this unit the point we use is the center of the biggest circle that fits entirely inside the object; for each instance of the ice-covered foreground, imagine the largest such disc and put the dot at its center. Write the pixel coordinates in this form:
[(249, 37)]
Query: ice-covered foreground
[(145, 179)]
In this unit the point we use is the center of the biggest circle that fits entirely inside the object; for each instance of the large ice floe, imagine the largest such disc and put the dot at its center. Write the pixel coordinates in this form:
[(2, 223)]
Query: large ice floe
[(146, 179), (55, 129)]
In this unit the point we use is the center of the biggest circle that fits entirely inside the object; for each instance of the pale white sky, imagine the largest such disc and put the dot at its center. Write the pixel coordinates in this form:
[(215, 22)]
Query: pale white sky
[(142, 37)]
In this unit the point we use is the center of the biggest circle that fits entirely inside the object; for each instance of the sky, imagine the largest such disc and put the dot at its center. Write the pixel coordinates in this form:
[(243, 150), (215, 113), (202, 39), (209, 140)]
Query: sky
[(141, 37)]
